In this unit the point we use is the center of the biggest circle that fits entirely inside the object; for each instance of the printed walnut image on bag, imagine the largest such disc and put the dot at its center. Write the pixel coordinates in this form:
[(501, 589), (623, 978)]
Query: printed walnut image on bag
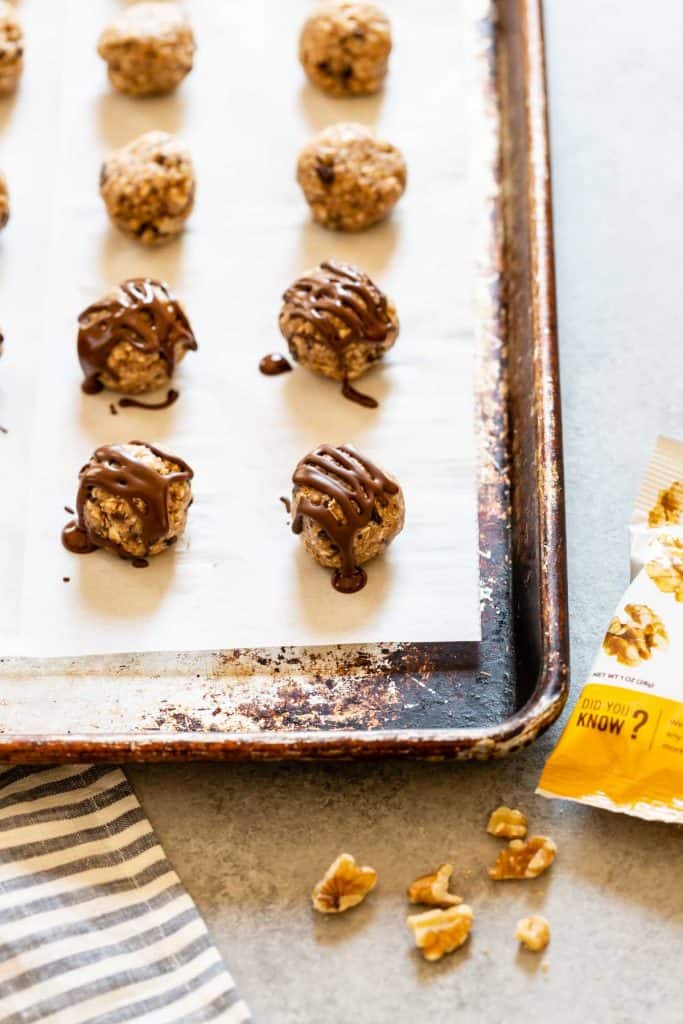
[(669, 506), (634, 640), (666, 572)]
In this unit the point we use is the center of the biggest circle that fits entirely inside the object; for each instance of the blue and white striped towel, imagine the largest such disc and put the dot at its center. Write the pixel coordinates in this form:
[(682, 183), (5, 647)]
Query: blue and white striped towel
[(95, 926)]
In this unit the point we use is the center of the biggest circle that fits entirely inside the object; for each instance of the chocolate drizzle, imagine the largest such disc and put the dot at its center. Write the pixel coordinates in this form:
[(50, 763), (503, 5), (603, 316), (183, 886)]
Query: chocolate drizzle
[(341, 294), (142, 312), (274, 364), (120, 474), (134, 403), (357, 486)]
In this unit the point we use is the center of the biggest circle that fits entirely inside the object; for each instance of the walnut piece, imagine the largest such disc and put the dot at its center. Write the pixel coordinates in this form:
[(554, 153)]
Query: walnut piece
[(524, 859), (441, 931), (669, 506), (507, 822), (666, 571), (633, 639), (533, 932), (344, 885), (432, 890)]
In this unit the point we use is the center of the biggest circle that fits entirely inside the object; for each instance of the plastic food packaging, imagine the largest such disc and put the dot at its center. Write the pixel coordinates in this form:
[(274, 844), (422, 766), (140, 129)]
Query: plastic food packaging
[(622, 748)]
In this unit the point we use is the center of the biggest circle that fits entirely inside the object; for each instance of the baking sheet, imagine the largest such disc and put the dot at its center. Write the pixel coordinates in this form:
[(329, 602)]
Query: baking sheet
[(240, 578)]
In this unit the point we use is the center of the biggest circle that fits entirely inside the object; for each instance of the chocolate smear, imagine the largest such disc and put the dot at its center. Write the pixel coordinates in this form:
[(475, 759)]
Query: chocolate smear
[(344, 296), (4, 430), (357, 486), (142, 312), (113, 410), (287, 503), (134, 403), (139, 563), (274, 364)]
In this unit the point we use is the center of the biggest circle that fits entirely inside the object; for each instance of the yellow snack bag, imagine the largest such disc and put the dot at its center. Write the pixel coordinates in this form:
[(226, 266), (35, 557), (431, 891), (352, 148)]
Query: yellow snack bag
[(622, 748)]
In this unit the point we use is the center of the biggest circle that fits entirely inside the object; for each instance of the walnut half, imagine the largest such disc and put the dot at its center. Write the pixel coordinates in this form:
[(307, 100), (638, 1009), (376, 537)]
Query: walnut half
[(344, 885), (438, 932), (634, 638), (669, 506), (507, 822), (432, 890), (666, 571), (533, 932), (524, 860)]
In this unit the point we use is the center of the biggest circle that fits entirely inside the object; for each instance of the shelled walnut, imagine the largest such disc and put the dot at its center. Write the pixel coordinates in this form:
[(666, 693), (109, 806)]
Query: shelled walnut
[(533, 932), (432, 890), (524, 859), (507, 822), (666, 571), (669, 506), (438, 932), (344, 885), (633, 639)]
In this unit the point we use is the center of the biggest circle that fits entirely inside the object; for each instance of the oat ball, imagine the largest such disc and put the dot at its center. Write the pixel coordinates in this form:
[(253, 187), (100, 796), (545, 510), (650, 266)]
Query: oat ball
[(148, 48), (337, 322), (350, 178), (4, 201), (11, 49), (148, 187), (133, 499), (347, 511), (344, 47), (133, 338)]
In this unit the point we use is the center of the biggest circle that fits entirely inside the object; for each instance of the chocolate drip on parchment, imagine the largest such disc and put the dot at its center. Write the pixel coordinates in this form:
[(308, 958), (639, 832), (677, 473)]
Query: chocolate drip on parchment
[(357, 485), (349, 296), (142, 312), (123, 476), (134, 403), (274, 364)]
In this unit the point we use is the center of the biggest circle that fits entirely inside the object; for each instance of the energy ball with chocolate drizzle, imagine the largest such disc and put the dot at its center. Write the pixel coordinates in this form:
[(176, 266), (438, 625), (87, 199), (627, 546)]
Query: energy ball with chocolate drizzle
[(148, 48), (344, 47), (133, 499), (338, 323), (346, 510), (148, 187), (350, 178), (133, 338)]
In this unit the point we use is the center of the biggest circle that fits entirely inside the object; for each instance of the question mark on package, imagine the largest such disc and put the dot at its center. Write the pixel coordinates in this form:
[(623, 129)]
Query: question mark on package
[(642, 717)]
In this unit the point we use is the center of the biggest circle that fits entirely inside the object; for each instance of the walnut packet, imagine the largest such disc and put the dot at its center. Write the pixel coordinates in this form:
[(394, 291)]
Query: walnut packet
[(622, 748)]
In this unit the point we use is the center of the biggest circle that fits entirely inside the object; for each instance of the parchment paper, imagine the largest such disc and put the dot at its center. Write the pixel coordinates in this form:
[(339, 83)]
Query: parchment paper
[(240, 578)]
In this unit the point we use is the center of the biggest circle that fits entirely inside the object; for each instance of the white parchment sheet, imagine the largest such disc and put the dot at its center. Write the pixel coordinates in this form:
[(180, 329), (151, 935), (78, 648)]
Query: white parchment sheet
[(240, 578)]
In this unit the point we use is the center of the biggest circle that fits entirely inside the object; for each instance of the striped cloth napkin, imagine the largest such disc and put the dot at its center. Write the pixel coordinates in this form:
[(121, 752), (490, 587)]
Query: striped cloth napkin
[(95, 926)]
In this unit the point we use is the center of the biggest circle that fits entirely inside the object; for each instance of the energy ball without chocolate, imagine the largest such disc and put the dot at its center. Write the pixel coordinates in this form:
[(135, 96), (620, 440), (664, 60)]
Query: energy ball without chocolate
[(347, 511), (11, 49), (148, 48), (338, 323), (148, 187), (350, 178), (132, 498), (344, 47), (133, 338)]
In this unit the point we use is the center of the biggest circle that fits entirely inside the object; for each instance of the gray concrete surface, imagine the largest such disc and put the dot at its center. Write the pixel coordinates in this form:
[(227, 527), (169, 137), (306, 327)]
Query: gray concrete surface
[(249, 841)]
